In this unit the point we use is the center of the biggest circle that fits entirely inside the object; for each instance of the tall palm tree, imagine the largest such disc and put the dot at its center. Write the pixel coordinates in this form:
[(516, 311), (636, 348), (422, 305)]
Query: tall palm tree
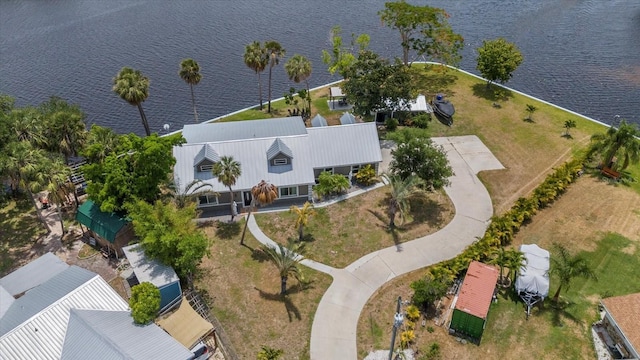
[(287, 260), (101, 141), (56, 183), (133, 87), (621, 142), (302, 217), (24, 165), (401, 192), (275, 52), (262, 194), (256, 58), (299, 69), (227, 170), (27, 123), (566, 267), (68, 133), (190, 73)]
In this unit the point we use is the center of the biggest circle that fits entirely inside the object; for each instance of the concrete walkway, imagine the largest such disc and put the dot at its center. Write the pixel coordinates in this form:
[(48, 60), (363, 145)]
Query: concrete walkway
[(333, 333)]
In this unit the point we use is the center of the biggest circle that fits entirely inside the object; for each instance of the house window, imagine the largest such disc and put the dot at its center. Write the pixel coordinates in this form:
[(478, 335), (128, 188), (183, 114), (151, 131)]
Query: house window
[(280, 161), (206, 200), (206, 167), (288, 191), (328, 170), (355, 169)]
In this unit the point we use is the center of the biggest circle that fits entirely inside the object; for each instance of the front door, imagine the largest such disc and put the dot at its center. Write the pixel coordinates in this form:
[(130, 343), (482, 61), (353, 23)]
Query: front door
[(247, 198)]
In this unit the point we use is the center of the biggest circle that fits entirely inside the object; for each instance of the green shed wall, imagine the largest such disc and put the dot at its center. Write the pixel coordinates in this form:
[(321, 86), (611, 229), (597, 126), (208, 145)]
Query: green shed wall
[(467, 324)]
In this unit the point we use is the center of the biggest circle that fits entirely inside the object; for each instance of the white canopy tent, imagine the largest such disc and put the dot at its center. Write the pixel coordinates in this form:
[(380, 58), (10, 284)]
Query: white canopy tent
[(532, 284)]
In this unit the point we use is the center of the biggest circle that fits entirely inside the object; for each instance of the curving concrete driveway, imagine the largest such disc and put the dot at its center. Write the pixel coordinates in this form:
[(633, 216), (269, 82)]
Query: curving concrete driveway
[(333, 333)]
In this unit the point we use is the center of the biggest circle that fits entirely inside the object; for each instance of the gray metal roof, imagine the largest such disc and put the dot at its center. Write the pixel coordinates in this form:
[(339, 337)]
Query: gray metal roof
[(147, 269), (347, 119), (278, 147), (208, 153), (249, 129), (35, 325), (113, 335), (5, 301), (252, 156), (33, 274), (344, 145), (318, 121)]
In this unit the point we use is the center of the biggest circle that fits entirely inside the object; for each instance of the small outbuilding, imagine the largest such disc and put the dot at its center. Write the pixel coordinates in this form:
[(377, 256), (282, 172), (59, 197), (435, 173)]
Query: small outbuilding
[(108, 229), (621, 319), (473, 301), (160, 275)]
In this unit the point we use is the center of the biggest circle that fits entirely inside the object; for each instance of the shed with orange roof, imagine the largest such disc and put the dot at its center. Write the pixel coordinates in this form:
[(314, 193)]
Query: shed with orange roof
[(474, 299)]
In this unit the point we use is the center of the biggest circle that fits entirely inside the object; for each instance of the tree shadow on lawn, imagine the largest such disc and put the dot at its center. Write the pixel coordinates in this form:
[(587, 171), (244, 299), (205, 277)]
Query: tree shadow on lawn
[(434, 82), (384, 225), (493, 93), (227, 230), (292, 310), (424, 210)]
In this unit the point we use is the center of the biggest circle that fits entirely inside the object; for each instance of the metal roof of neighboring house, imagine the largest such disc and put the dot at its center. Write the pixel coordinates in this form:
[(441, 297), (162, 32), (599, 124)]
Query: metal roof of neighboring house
[(252, 156), (344, 145), (477, 289), (318, 121), (185, 325), (113, 335), (149, 270), (278, 147), (33, 274), (107, 225), (35, 325), (207, 152), (347, 119), (5, 301), (625, 310), (248, 129)]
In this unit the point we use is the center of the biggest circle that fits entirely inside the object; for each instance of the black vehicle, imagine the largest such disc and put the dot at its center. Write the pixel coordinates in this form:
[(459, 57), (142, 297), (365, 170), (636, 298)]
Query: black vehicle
[(443, 108)]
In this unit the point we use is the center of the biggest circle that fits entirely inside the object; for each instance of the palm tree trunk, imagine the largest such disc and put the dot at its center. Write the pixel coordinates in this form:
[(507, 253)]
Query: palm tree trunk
[(144, 120), (300, 232), (193, 103), (38, 211), (557, 294), (232, 200), (283, 285), (245, 227), (260, 89), (269, 107), (60, 217), (392, 219)]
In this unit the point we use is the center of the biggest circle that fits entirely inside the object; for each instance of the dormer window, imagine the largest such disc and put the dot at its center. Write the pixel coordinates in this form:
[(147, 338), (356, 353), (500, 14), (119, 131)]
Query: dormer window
[(279, 153), (205, 159), (281, 161)]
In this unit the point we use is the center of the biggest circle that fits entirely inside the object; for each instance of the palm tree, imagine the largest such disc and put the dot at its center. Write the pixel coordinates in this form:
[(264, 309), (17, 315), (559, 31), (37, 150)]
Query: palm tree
[(299, 69), (530, 110), (501, 259), (190, 73), (401, 192), (568, 125), (256, 58), (133, 87), (302, 217), (262, 194), (101, 142), (287, 260), (515, 261), (566, 267), (28, 126), (182, 198), (622, 142), (24, 165), (227, 170), (275, 52), (56, 183)]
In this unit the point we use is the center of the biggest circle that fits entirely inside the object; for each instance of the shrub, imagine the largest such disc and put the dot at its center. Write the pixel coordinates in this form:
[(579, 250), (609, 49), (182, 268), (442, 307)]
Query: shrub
[(269, 353), (144, 302), (329, 184), (433, 353), (427, 290), (422, 121), (366, 175), (391, 124), (413, 313), (406, 338), (430, 329)]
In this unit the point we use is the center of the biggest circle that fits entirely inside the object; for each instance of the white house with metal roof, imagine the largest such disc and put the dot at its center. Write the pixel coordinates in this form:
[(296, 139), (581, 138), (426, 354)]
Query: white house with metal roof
[(77, 315), (281, 151)]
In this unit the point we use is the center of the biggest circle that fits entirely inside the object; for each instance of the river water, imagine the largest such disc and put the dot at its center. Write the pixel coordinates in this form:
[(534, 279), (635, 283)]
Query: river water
[(580, 54)]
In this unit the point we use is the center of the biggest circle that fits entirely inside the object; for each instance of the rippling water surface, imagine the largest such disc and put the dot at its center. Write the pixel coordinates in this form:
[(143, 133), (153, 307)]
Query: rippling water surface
[(580, 54)]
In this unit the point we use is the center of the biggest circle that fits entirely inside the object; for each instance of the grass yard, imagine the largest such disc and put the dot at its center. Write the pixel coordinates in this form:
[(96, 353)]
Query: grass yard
[(342, 233), (550, 333), (20, 229), (243, 288)]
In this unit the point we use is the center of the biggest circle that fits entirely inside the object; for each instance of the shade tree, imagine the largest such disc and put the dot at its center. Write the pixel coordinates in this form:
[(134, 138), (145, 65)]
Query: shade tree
[(340, 57), (423, 158), (497, 60), (144, 303)]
